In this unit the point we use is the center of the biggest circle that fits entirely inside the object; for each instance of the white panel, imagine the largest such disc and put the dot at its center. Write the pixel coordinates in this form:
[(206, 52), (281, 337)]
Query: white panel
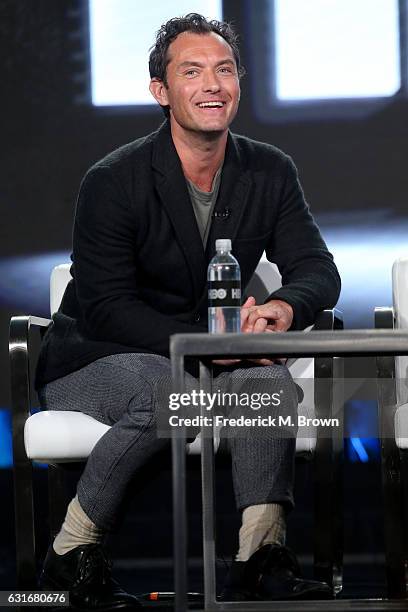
[(60, 277), (400, 304), (336, 48), (122, 32)]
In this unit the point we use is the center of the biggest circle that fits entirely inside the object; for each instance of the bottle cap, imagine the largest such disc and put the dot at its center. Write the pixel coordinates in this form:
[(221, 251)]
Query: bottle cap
[(223, 244)]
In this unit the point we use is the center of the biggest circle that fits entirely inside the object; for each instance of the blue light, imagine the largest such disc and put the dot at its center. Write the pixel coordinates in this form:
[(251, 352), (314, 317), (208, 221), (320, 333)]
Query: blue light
[(6, 453), (25, 281), (360, 450), (361, 430)]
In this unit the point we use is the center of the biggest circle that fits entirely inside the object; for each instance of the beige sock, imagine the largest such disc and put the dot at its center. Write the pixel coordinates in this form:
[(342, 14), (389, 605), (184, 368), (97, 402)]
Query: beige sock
[(77, 529), (261, 524)]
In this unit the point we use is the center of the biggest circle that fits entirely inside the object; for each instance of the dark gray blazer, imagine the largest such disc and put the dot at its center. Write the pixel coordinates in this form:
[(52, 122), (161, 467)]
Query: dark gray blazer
[(139, 267)]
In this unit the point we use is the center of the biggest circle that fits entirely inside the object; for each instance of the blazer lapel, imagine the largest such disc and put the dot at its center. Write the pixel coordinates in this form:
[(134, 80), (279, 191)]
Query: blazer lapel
[(172, 188), (232, 198)]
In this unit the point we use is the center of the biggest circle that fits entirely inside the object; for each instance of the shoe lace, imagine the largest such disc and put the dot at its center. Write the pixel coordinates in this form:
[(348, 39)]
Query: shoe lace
[(95, 566)]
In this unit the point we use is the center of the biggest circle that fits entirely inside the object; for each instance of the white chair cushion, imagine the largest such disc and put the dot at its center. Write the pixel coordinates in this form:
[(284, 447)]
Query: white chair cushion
[(304, 446), (400, 305), (194, 447), (64, 436), (302, 371), (61, 436), (60, 277), (401, 426), (303, 368)]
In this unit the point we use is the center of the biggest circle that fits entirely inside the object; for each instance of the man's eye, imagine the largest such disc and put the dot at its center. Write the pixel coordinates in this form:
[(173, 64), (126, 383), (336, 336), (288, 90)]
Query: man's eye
[(226, 70), (191, 72)]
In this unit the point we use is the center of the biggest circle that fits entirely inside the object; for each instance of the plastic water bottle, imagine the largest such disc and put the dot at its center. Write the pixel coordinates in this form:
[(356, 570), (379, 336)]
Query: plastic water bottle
[(224, 291)]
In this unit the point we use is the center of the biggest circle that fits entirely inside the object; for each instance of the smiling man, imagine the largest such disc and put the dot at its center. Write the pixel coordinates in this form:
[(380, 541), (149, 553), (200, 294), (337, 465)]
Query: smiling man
[(146, 223), (201, 85)]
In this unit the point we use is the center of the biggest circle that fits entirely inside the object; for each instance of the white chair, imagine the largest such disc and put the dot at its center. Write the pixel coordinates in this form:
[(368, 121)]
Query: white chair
[(55, 437), (392, 376)]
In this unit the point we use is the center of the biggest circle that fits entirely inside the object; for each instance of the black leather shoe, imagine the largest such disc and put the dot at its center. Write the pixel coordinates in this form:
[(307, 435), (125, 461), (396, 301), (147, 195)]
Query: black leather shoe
[(85, 572), (272, 572)]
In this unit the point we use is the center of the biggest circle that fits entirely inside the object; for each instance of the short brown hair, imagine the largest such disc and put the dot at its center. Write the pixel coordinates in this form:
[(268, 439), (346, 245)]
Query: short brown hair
[(197, 24)]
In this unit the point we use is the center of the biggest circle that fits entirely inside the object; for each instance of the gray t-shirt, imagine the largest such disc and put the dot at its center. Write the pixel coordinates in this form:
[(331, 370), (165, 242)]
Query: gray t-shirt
[(203, 204)]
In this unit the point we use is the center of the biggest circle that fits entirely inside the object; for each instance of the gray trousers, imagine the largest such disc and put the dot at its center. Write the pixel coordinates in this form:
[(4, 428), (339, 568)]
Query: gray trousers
[(122, 391)]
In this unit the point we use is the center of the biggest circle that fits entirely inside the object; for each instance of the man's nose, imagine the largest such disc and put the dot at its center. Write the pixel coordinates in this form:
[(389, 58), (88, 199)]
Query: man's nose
[(211, 82)]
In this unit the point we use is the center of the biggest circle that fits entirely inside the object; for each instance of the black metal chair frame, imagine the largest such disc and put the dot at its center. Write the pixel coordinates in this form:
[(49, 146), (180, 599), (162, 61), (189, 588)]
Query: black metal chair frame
[(394, 470), (24, 332), (321, 345)]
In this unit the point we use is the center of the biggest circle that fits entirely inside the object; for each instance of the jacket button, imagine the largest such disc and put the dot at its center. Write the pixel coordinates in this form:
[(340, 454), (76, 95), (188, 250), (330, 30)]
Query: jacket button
[(197, 318)]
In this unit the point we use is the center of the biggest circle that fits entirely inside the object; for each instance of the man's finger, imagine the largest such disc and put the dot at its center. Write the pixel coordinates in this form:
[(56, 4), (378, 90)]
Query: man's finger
[(260, 325), (263, 361), (268, 312), (225, 362), (280, 325), (245, 310), (244, 317), (250, 301)]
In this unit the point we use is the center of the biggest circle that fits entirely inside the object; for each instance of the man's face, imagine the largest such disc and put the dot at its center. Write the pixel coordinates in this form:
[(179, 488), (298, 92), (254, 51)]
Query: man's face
[(202, 83)]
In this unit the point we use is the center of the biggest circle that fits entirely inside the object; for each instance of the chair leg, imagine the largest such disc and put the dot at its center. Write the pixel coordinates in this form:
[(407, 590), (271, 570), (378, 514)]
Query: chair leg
[(24, 525), (208, 500), (57, 499), (328, 534), (338, 471), (396, 557), (404, 480), (328, 470)]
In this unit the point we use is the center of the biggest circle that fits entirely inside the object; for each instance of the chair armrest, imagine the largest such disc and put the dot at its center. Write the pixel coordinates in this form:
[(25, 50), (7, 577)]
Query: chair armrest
[(22, 333), (384, 319), (21, 336), (329, 319), (329, 374), (328, 367), (387, 392)]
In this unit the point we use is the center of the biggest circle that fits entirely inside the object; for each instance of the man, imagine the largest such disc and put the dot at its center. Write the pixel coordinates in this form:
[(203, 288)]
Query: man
[(146, 223)]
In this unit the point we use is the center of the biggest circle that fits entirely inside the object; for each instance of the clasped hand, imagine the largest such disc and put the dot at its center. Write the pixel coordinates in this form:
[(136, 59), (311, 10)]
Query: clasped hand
[(274, 316)]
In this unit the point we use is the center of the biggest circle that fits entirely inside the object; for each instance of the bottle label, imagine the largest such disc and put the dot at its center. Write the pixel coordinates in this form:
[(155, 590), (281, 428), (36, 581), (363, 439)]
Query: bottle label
[(224, 293)]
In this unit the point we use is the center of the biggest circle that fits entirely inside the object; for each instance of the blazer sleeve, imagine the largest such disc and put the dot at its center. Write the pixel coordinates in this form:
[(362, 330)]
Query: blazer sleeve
[(310, 280), (105, 270)]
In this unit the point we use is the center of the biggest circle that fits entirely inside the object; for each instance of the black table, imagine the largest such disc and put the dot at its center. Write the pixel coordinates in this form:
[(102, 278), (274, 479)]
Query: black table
[(205, 347)]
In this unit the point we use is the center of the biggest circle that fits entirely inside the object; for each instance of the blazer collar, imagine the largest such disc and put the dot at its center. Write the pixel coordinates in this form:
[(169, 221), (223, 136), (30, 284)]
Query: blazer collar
[(172, 188)]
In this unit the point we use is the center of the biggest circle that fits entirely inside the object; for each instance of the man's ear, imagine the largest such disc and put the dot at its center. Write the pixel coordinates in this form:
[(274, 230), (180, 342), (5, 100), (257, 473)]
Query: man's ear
[(159, 91)]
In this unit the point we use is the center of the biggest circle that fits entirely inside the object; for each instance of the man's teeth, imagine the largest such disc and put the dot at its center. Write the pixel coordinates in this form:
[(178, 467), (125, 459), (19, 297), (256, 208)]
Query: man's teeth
[(205, 104)]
